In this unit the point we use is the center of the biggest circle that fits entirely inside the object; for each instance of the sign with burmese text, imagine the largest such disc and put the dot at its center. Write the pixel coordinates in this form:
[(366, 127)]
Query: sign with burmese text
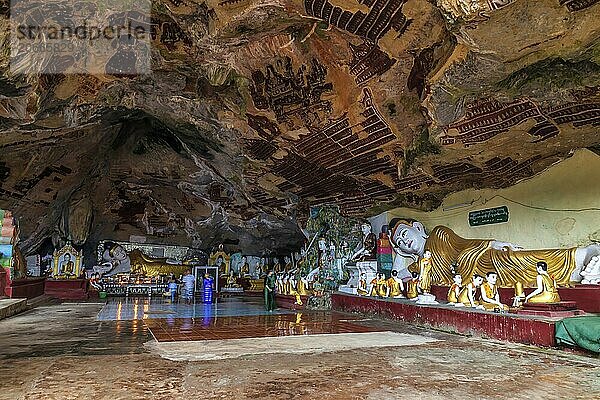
[(489, 216), (99, 37)]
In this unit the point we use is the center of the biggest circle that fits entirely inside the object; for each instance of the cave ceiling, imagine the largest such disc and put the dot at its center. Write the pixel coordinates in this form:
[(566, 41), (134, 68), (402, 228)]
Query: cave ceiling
[(256, 110)]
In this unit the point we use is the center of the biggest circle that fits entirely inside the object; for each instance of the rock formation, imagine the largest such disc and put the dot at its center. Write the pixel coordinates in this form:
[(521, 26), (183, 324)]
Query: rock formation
[(257, 109)]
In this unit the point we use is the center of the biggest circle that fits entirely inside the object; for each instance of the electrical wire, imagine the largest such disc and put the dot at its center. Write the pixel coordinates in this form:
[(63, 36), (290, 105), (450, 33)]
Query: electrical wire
[(541, 208)]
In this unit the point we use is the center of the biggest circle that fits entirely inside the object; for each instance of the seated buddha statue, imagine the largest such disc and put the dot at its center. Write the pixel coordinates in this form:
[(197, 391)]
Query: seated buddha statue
[(412, 286), (455, 289), (68, 266), (546, 291), (490, 298), (511, 263), (245, 267), (232, 281), (362, 290), (381, 286), (395, 286), (469, 295)]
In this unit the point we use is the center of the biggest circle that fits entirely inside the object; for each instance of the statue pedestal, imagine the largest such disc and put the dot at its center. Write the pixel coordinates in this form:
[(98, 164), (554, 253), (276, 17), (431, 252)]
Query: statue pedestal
[(23, 288), (426, 298), (369, 268), (587, 297), (562, 309), (67, 289)]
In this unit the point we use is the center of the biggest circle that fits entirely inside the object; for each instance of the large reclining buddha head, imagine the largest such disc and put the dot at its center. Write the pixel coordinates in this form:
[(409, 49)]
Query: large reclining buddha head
[(408, 237)]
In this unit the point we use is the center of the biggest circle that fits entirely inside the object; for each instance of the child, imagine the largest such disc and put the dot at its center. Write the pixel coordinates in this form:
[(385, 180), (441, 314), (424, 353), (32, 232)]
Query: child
[(173, 289)]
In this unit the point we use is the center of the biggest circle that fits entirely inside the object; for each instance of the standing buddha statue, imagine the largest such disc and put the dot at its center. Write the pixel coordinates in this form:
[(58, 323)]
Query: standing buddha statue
[(412, 286), (425, 272)]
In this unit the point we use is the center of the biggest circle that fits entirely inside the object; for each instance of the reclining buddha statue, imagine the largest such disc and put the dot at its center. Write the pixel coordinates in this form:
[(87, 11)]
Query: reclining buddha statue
[(480, 256), (117, 260)]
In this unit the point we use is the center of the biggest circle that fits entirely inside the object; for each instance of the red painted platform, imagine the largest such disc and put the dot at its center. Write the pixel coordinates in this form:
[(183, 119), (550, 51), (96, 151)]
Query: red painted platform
[(587, 297), (67, 289), (25, 288), (510, 327)]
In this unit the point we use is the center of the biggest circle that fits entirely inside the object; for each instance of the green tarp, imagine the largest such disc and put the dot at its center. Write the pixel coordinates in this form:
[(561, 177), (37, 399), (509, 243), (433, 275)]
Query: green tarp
[(581, 331)]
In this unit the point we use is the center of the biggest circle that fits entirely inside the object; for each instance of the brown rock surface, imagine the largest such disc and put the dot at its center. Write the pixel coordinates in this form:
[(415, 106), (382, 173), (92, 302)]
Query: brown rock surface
[(255, 110)]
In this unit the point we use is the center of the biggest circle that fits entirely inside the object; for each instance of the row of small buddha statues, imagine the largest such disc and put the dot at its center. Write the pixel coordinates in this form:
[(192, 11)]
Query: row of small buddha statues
[(481, 292), (287, 283)]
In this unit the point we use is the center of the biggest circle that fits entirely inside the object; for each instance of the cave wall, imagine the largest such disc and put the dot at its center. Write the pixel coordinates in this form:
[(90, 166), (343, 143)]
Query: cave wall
[(569, 185), (257, 110)]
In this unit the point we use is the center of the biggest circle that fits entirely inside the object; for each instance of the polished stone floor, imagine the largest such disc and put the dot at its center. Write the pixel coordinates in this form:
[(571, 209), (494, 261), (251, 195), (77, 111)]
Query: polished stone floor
[(311, 323), (119, 309), (68, 351)]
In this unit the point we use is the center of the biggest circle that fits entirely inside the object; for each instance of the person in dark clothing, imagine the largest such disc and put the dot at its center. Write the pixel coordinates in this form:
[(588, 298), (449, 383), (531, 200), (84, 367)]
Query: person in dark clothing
[(270, 282)]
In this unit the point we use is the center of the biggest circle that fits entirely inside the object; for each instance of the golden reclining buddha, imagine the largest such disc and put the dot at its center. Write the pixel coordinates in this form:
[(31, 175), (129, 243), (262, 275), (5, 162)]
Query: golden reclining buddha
[(479, 256), (143, 265), (117, 260)]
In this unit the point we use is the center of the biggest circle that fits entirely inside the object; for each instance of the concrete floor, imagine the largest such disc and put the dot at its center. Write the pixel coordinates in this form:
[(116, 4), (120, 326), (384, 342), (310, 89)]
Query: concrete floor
[(64, 352)]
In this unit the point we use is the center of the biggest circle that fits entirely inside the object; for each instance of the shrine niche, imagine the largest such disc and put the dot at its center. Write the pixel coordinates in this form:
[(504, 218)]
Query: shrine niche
[(221, 260), (67, 263)]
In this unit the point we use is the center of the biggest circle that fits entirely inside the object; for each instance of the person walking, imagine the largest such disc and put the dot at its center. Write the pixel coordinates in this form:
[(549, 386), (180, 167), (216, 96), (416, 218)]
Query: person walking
[(270, 283), (188, 286)]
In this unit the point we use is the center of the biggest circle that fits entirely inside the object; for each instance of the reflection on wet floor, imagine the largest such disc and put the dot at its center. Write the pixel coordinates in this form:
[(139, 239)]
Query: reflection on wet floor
[(229, 318), (120, 309), (211, 328), (69, 329)]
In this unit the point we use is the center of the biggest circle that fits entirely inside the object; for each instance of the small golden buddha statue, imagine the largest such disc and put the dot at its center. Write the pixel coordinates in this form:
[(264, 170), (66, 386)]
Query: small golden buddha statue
[(373, 291), (546, 291), (276, 266), (361, 290), (286, 284), (381, 286), (294, 290), (395, 286), (303, 287), (425, 272), (232, 281), (469, 295), (245, 268), (455, 289), (490, 299), (288, 264), (412, 286)]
